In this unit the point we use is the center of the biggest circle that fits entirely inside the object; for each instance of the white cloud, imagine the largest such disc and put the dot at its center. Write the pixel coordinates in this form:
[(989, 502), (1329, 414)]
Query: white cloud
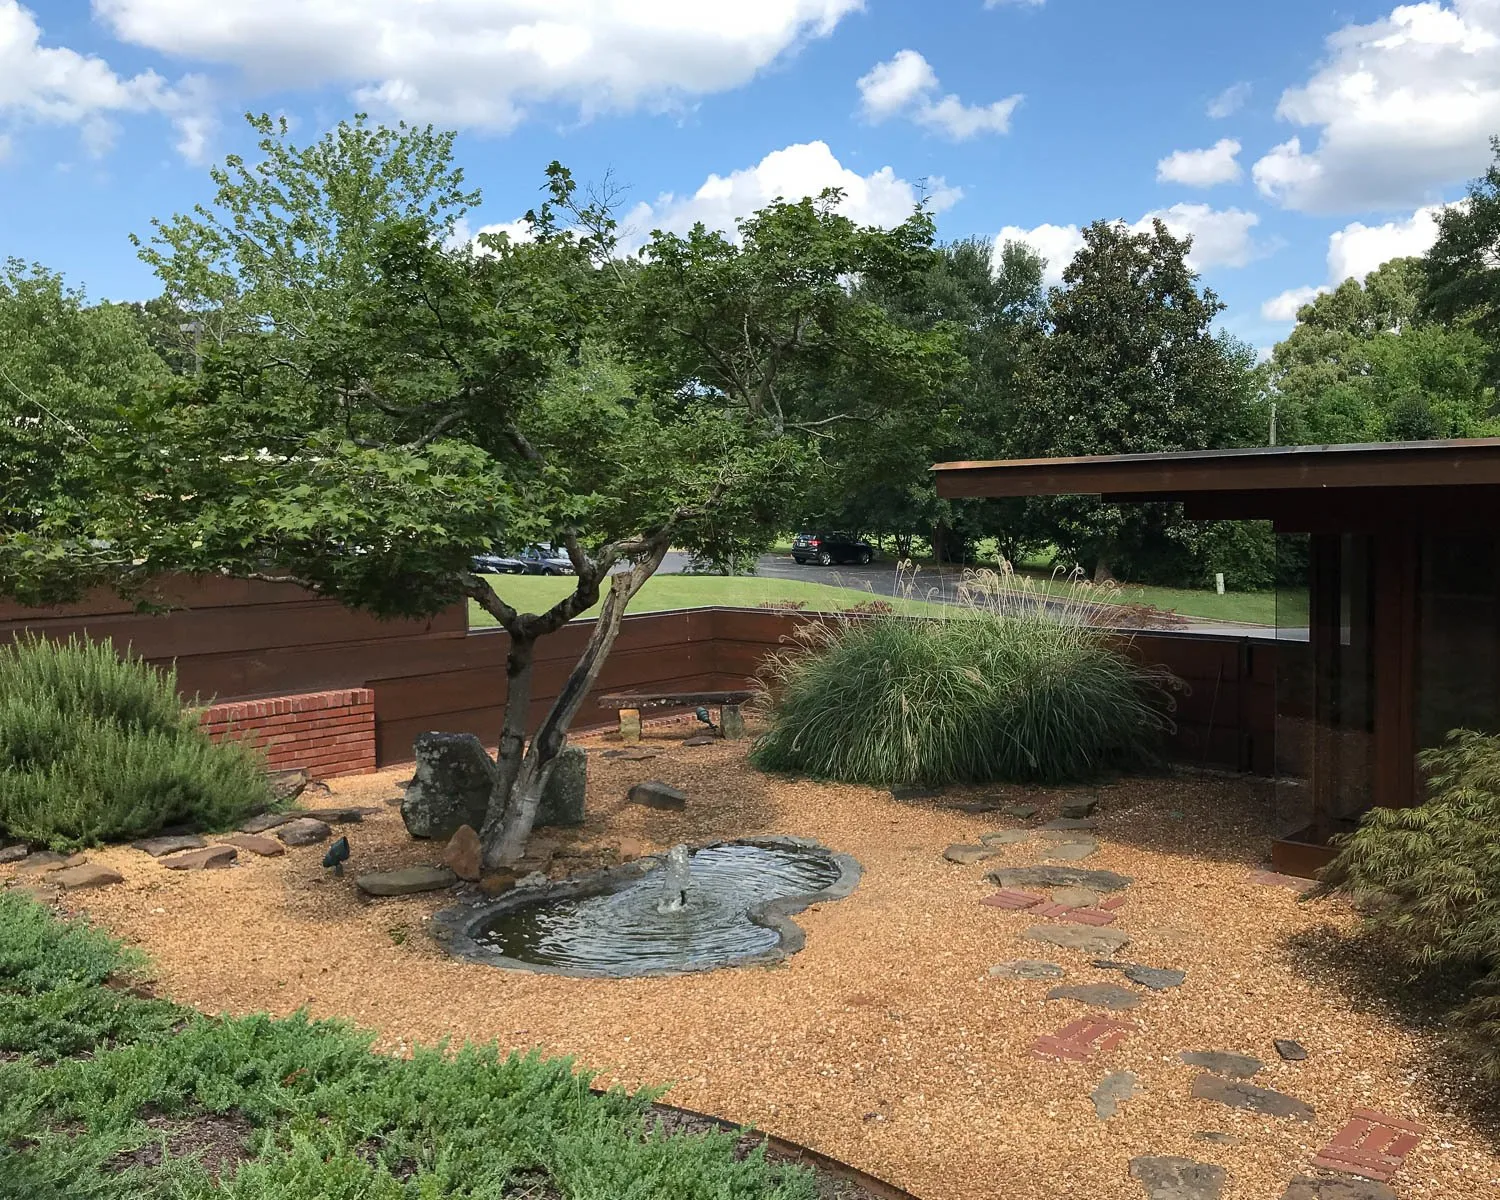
[(480, 63), (880, 198), (1402, 107), (56, 85), (1202, 168), (907, 85), (1221, 237), (1285, 307), (1229, 101)]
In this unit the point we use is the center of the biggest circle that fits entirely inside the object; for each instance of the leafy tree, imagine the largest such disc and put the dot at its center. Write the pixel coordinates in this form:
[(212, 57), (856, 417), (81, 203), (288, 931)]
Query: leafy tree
[(376, 399), (1130, 364), (1463, 266)]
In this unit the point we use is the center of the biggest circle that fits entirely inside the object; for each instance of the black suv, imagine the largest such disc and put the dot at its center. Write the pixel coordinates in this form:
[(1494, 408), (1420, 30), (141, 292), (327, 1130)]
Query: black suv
[(827, 548)]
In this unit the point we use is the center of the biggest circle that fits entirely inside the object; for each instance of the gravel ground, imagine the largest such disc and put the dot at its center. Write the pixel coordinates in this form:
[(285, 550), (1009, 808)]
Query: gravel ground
[(884, 1043)]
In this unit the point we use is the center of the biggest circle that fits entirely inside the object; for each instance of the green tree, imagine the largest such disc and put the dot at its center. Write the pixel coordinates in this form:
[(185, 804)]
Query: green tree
[(1130, 364), (1463, 266), (376, 399)]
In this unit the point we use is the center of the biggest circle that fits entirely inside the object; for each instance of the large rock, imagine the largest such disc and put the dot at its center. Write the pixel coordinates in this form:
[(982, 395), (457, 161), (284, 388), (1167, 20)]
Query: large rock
[(266, 821), (156, 847), (1072, 851), (656, 794), (1289, 1050), (257, 844), (210, 858), (1087, 938), (286, 786), (566, 791), (1158, 979), (1049, 876), (10, 854), (463, 854), (1170, 1178), (1006, 837), (90, 875), (451, 787), (1249, 1097), (407, 882), (304, 831), (39, 861), (1079, 810), (966, 856), (339, 816), (1097, 995)]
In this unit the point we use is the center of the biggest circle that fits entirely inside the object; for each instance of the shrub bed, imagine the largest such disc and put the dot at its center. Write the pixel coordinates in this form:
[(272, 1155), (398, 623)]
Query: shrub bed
[(95, 747), (1014, 687)]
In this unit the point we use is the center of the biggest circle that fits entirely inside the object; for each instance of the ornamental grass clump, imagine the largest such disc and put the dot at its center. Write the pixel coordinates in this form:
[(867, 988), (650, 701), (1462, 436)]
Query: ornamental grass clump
[(95, 747), (1013, 685), (1428, 880)]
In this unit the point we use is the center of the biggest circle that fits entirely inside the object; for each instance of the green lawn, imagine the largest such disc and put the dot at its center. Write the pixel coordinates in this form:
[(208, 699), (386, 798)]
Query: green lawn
[(117, 1097), (536, 593)]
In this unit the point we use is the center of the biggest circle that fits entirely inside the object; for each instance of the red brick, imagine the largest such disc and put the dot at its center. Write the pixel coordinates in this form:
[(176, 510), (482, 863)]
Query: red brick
[(1112, 904), (1011, 899), (1380, 1118), (1352, 1134)]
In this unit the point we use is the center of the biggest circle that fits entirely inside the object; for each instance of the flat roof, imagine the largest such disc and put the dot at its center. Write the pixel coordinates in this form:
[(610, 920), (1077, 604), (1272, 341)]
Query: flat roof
[(1461, 462)]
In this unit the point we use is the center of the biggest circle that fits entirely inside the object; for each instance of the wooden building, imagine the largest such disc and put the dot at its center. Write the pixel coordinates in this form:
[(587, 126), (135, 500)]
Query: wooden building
[(1401, 616)]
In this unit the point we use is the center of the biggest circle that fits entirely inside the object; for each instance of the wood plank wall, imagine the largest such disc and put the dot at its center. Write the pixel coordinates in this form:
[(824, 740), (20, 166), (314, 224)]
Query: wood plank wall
[(237, 640)]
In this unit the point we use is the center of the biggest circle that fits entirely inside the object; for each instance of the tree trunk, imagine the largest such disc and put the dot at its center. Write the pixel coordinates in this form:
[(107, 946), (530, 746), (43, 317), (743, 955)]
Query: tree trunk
[(508, 824), (518, 671), (903, 547)]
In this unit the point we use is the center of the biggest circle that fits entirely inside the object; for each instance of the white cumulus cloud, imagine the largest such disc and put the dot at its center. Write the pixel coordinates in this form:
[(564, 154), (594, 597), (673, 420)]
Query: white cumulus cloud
[(481, 63), (906, 85), (1398, 109), (1286, 306), (58, 85), (1229, 101), (1202, 168), (879, 198), (1221, 237)]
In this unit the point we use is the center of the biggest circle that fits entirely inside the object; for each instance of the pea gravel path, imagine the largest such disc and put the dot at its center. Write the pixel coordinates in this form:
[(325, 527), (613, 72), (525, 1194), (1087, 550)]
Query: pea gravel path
[(885, 1042)]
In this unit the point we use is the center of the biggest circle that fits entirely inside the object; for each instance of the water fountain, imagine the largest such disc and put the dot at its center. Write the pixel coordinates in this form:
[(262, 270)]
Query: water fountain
[(725, 904)]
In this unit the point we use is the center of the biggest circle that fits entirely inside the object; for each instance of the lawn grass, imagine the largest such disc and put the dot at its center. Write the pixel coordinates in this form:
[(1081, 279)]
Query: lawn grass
[(161, 1102), (535, 593)]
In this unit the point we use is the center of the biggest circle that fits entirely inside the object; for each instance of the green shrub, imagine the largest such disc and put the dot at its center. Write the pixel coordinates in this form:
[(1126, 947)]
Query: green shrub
[(95, 747), (1429, 880), (1012, 687)]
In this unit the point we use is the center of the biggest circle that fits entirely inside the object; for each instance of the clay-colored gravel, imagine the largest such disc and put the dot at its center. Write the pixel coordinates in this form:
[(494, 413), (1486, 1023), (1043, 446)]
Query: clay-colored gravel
[(884, 1042)]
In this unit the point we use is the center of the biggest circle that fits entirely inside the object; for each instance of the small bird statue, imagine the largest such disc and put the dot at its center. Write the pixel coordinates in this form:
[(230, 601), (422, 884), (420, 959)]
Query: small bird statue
[(337, 856), (702, 715)]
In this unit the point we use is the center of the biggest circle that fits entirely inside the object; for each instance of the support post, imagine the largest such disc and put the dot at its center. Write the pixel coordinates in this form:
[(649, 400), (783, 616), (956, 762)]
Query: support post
[(731, 722), (630, 725)]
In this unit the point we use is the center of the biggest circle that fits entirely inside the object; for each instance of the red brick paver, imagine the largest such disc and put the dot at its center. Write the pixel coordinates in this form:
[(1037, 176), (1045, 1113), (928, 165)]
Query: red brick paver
[(1273, 879), (1372, 1145), (1013, 899), (1081, 1039), (1113, 903)]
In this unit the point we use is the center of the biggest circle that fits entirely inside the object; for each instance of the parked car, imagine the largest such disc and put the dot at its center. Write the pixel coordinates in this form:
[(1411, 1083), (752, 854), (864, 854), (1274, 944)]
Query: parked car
[(827, 548), (544, 559), (497, 564)]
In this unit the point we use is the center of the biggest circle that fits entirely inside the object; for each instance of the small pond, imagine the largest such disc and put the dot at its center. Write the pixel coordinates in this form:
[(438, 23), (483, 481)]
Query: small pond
[(726, 904)]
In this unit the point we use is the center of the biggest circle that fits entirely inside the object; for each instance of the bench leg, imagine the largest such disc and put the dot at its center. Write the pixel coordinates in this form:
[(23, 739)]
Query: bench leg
[(630, 725), (731, 722)]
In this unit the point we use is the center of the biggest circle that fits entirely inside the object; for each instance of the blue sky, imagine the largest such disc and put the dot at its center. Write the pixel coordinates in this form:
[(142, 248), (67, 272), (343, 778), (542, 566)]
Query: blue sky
[(1299, 142)]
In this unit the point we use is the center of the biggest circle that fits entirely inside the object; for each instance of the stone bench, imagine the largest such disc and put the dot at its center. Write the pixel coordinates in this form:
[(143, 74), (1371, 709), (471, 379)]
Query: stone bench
[(631, 705)]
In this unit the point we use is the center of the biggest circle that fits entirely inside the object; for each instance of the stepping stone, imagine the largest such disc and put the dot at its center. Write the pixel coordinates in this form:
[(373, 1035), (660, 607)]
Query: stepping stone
[(1373, 1145), (1250, 1097), (1079, 810), (1006, 837), (156, 847), (1015, 901), (1112, 1091), (702, 739), (915, 791), (656, 794), (1021, 812), (1337, 1189), (1072, 823), (265, 822), (89, 875), (1072, 851), (639, 754), (1169, 1178), (1222, 1062), (1075, 897), (977, 808), (1081, 1039), (1064, 835), (1026, 968), (1273, 879), (1049, 876), (10, 854), (210, 858), (409, 882), (1079, 937), (1289, 1050), (304, 831), (256, 843), (39, 861), (1098, 995), (338, 816), (967, 856), (1158, 979), (1076, 916)]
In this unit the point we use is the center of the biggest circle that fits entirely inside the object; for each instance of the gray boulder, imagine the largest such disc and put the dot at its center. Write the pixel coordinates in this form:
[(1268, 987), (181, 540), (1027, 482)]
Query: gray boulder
[(656, 794), (1171, 1178), (407, 882), (567, 789), (157, 847), (451, 785), (1059, 876)]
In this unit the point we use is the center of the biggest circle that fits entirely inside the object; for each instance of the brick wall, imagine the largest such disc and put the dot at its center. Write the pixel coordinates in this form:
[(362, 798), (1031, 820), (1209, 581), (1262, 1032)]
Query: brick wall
[(329, 733)]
